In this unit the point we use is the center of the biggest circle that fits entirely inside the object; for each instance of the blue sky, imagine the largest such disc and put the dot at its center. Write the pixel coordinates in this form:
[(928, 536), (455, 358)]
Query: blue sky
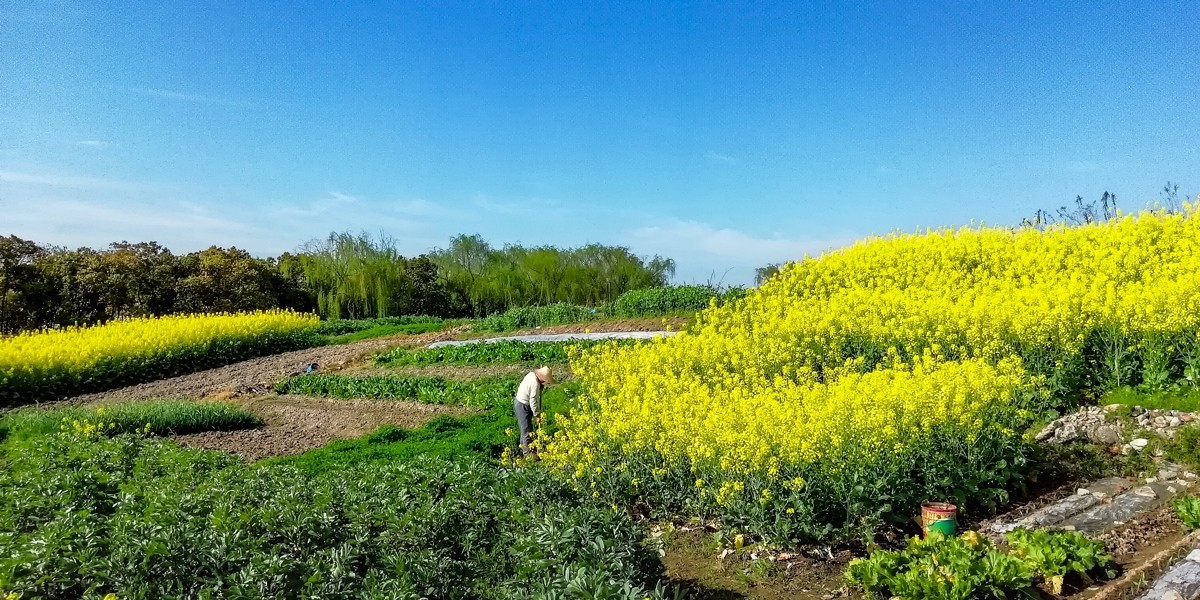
[(726, 135)]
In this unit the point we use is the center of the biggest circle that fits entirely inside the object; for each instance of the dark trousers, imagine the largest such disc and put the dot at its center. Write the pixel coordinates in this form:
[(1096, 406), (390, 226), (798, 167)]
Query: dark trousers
[(524, 423)]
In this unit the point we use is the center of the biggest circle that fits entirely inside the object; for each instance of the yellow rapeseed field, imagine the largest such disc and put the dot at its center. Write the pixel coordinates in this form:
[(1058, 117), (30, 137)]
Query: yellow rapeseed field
[(853, 386), (45, 364)]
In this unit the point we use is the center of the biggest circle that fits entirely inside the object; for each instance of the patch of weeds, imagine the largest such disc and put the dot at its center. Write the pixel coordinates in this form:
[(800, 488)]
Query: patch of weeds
[(1184, 448)]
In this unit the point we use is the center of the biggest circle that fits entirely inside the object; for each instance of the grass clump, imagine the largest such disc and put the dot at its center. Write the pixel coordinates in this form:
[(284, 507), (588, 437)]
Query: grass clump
[(526, 317), (334, 327), (164, 417), (485, 353), (1178, 398), (86, 516), (482, 393), (344, 331)]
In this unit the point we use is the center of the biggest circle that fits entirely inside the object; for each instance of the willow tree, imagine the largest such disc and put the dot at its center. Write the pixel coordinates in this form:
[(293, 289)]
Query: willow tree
[(355, 276)]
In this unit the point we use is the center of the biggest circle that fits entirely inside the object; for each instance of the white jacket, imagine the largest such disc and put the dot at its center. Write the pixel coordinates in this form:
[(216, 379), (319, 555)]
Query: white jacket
[(530, 393)]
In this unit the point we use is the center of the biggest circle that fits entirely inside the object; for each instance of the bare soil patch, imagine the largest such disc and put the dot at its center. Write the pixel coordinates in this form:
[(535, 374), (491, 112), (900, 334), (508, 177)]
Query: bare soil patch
[(297, 424), (260, 372), (703, 574)]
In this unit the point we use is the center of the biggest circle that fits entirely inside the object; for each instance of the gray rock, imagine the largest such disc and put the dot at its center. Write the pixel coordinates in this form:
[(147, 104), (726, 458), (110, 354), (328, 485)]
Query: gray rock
[(1109, 487), (1174, 422), (1106, 434), (1181, 581), (1067, 433)]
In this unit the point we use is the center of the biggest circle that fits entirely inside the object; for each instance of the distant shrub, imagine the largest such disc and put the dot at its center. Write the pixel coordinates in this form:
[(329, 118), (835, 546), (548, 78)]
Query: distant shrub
[(526, 317), (345, 326), (678, 299)]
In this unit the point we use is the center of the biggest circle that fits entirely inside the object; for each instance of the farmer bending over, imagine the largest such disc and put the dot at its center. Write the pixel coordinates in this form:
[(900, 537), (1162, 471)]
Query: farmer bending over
[(528, 403)]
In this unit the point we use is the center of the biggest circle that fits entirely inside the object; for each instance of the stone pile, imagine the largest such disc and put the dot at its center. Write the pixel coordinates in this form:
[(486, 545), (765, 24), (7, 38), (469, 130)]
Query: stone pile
[(1094, 424), (1088, 424), (1162, 422)]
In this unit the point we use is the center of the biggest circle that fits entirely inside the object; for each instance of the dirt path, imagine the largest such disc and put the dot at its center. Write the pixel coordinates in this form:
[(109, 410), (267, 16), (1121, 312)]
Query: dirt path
[(259, 372), (297, 424)]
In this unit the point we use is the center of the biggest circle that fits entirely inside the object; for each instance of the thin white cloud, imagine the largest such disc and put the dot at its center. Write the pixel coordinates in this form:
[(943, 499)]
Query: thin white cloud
[(717, 156), (188, 97), (682, 238), (331, 202), (94, 144), (67, 181), (525, 207), (418, 207)]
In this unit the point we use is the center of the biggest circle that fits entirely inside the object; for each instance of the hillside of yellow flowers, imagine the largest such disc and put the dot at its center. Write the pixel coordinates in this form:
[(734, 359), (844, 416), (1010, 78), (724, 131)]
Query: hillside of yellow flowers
[(852, 387), (52, 364)]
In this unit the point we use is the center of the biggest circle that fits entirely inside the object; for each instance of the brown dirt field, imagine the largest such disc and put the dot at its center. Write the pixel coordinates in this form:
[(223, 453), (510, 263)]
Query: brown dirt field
[(261, 372), (297, 424)]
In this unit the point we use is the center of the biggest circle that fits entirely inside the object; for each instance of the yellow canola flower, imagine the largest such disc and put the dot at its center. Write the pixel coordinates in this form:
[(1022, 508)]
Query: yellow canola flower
[(857, 357), (30, 360)]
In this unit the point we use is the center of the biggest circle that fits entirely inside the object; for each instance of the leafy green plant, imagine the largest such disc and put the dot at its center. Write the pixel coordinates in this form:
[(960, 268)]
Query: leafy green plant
[(967, 567), (142, 518), (163, 417), (483, 353), (970, 567), (1054, 555), (484, 393), (1187, 507)]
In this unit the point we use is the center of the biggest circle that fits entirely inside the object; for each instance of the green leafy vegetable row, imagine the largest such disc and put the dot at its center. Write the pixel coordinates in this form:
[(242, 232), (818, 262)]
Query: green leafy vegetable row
[(483, 393)]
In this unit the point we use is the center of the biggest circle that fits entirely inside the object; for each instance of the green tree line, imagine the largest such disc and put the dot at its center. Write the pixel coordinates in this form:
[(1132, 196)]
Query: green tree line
[(341, 276)]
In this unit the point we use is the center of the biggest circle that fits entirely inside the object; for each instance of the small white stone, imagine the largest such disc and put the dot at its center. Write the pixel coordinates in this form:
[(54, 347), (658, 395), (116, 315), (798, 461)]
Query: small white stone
[(1082, 492), (1140, 443)]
